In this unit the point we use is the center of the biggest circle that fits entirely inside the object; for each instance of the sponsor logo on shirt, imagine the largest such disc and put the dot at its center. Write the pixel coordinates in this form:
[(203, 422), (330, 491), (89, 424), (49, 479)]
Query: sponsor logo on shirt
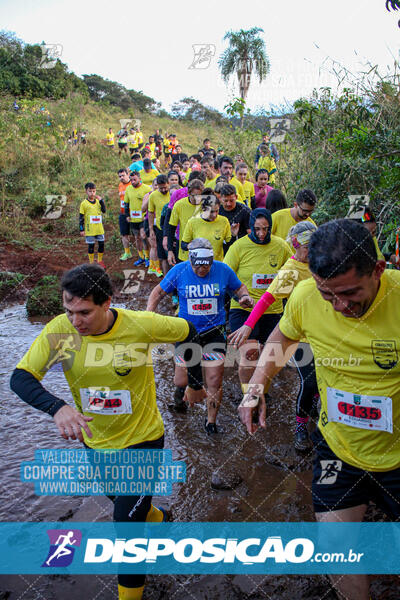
[(384, 353)]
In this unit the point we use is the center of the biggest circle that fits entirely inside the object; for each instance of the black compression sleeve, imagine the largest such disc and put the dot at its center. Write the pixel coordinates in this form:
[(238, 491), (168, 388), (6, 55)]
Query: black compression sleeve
[(195, 374), (102, 205), (81, 222), (166, 221), (171, 236), (126, 209), (184, 245), (31, 391)]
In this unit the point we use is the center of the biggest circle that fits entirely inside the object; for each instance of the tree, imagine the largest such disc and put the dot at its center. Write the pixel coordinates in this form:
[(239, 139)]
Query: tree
[(246, 52)]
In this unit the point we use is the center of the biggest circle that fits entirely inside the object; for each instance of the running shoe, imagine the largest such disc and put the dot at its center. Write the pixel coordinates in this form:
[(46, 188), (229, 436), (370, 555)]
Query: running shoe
[(146, 262), (175, 299), (159, 273), (178, 405), (210, 428), (125, 256), (151, 272), (138, 262), (167, 514), (302, 440), (101, 264)]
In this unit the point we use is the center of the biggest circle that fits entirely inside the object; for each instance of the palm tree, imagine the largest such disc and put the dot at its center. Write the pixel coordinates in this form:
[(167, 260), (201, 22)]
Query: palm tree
[(246, 53)]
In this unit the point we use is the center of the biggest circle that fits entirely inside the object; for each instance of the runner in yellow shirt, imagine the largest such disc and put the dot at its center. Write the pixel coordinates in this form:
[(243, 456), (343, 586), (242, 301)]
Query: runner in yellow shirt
[(293, 271), (349, 312), (132, 144), (110, 139), (256, 259), (124, 230), (183, 210), (241, 171), (70, 340), (157, 200), (225, 164), (209, 224), (302, 209), (266, 161), (91, 212), (148, 174), (134, 196)]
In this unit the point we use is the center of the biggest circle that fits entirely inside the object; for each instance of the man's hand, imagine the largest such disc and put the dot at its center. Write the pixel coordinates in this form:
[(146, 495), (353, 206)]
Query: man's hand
[(82, 233), (240, 336), (194, 396), (246, 301), (250, 408), (128, 219), (235, 229), (394, 262), (171, 258), (69, 422)]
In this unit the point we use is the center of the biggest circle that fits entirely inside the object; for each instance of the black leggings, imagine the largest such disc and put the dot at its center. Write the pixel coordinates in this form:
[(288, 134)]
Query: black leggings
[(304, 361), (99, 249), (129, 509)]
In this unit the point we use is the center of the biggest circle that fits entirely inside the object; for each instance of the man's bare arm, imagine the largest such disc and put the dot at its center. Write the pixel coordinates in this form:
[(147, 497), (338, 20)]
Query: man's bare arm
[(277, 351)]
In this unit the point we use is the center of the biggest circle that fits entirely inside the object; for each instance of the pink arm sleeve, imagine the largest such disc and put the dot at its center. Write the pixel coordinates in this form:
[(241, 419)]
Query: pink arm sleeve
[(264, 302)]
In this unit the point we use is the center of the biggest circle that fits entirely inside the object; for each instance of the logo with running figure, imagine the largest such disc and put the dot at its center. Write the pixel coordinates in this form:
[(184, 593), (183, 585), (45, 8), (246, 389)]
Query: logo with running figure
[(203, 53), (329, 471), (63, 543), (384, 353)]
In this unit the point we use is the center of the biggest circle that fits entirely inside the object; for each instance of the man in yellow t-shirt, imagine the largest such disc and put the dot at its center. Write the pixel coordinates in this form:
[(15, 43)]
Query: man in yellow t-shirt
[(241, 172), (157, 200), (349, 312), (148, 174), (114, 394), (91, 212), (134, 196), (183, 210), (302, 209), (110, 139), (210, 225), (225, 164), (266, 161)]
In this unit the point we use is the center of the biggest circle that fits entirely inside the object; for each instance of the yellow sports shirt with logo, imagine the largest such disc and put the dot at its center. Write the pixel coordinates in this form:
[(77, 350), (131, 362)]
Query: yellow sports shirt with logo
[(182, 211), (148, 177), (157, 201), (215, 232), (93, 217), (256, 265), (358, 371), (134, 198), (111, 375), (282, 221)]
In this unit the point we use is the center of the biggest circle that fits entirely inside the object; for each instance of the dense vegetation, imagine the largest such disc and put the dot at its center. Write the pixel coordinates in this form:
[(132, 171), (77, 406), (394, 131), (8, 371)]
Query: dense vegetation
[(339, 145)]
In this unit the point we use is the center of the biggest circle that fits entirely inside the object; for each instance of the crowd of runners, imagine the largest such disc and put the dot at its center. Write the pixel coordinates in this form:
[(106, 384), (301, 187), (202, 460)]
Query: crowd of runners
[(245, 270)]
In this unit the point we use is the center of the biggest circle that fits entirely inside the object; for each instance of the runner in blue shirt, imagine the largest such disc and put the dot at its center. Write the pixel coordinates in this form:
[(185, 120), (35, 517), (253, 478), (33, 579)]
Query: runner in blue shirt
[(201, 283)]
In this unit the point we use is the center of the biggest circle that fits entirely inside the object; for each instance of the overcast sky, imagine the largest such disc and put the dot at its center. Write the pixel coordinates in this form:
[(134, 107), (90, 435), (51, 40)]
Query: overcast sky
[(148, 46)]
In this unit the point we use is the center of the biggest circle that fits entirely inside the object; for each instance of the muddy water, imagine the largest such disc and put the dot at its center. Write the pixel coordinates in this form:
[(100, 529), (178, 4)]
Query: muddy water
[(272, 481)]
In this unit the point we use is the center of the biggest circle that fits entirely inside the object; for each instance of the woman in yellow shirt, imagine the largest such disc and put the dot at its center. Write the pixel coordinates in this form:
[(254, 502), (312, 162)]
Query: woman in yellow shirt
[(209, 224)]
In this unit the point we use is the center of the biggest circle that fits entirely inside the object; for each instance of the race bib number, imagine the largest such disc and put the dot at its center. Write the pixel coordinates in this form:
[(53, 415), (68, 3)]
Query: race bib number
[(122, 203), (136, 214), (260, 281), (361, 411), (205, 306), (103, 401), (95, 219)]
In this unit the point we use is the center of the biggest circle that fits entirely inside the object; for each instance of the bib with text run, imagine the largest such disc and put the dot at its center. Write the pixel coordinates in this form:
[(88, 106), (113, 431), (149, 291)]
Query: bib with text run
[(205, 306), (356, 410)]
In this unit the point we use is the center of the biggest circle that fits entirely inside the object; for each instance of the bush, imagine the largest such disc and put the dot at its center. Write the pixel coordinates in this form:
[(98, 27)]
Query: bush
[(45, 297), (9, 282)]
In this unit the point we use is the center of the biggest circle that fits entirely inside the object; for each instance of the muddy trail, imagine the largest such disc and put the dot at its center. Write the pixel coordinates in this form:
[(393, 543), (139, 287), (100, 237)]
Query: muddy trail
[(269, 480)]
